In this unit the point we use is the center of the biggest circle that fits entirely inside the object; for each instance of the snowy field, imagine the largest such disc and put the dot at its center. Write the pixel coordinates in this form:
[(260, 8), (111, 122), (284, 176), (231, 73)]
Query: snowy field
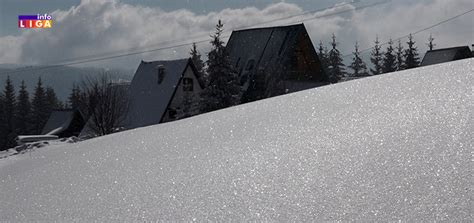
[(393, 147)]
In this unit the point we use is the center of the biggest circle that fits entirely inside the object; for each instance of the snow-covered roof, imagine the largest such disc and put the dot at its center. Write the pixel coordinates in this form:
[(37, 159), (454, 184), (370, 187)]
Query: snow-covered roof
[(271, 49), (149, 97), (392, 147), (34, 138), (58, 121), (446, 55), (262, 44)]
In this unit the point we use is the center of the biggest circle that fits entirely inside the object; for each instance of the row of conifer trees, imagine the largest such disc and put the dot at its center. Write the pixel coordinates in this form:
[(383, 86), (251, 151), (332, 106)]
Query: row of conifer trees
[(394, 58), (20, 115)]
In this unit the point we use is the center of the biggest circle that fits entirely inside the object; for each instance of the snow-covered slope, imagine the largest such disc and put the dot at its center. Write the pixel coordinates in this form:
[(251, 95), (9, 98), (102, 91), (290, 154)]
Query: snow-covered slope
[(393, 147)]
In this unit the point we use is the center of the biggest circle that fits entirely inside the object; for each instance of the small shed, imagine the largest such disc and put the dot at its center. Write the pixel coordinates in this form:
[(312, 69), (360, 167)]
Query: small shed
[(446, 55), (64, 123)]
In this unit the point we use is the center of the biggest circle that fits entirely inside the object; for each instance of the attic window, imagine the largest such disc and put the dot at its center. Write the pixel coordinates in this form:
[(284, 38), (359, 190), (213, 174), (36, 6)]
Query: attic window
[(188, 84), (161, 73)]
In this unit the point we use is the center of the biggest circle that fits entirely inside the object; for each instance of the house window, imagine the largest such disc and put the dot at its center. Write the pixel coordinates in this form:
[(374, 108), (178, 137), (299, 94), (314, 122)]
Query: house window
[(188, 84), (161, 73)]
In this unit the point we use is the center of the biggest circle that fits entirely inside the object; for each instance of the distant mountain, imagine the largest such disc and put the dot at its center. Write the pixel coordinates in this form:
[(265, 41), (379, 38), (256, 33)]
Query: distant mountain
[(61, 79)]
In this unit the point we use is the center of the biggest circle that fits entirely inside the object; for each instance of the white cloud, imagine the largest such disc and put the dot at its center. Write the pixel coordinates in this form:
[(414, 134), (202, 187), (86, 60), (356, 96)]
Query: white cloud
[(10, 48), (98, 27)]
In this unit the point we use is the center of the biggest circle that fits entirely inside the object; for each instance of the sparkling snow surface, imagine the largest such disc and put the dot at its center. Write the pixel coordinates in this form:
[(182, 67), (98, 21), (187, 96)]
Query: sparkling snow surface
[(394, 147)]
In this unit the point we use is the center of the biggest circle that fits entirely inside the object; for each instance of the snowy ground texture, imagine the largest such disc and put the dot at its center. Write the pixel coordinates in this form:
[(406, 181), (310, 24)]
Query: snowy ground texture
[(394, 147)]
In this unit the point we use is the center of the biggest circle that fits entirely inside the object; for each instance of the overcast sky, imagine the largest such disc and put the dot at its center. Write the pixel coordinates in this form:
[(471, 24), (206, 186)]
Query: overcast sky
[(100, 27)]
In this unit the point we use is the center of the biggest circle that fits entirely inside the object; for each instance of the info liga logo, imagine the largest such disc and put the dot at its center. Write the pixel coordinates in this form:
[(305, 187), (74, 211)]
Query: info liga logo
[(35, 21)]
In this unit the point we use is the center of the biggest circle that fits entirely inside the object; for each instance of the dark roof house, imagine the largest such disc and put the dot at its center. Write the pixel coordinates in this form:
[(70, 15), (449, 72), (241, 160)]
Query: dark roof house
[(446, 55), (275, 60), (163, 91), (64, 123)]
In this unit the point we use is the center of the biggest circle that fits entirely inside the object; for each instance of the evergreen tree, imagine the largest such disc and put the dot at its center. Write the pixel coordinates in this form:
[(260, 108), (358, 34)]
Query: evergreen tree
[(74, 99), (376, 58), (411, 54), (323, 55), (336, 67), (9, 107), (399, 56), (52, 100), (223, 89), (2, 124), (326, 59), (198, 63), (358, 65), (389, 59), (430, 43), (23, 110), (39, 109)]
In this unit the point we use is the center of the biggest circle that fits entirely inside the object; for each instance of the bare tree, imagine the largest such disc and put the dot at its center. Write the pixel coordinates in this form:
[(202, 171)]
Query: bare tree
[(105, 102)]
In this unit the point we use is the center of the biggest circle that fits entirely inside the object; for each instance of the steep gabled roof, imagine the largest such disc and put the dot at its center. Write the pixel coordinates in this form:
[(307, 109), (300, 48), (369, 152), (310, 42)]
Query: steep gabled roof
[(446, 55), (59, 121), (262, 44), (149, 98), (275, 52)]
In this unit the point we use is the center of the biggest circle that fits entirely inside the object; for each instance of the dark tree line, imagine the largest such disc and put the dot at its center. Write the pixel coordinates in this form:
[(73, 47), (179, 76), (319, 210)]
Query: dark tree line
[(20, 115), (393, 58)]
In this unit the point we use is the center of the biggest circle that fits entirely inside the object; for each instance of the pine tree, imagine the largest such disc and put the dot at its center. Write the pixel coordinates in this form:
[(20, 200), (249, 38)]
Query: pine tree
[(9, 107), (430, 43), (376, 58), (198, 63), (389, 59), (52, 100), (74, 99), (411, 54), (400, 63), (39, 109), (223, 89), (358, 65), (23, 110), (336, 67), (2, 124), (323, 55)]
